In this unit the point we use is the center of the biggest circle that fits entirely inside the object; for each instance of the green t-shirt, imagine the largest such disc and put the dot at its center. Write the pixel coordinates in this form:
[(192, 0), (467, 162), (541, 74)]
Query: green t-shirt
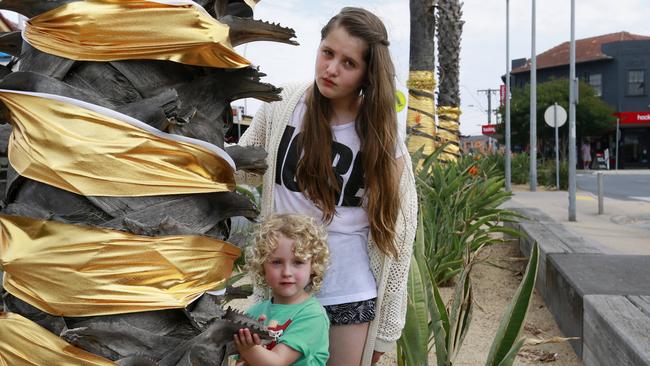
[(304, 327)]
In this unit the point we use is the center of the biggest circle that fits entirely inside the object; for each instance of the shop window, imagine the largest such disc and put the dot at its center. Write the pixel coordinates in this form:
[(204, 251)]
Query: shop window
[(636, 82), (596, 82)]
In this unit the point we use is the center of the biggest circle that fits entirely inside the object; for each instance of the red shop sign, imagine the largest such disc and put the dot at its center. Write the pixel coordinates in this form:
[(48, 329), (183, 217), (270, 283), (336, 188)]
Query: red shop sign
[(633, 117), (489, 129)]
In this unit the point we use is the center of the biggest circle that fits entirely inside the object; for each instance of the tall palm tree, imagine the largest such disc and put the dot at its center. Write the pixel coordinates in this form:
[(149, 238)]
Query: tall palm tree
[(420, 118), (110, 307), (449, 30)]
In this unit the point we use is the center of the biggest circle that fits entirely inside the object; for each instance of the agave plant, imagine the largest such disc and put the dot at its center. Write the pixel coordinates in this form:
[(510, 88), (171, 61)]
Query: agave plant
[(458, 215), (507, 341), (460, 206)]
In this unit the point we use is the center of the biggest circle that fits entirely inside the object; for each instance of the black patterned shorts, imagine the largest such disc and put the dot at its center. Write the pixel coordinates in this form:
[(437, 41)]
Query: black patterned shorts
[(351, 313)]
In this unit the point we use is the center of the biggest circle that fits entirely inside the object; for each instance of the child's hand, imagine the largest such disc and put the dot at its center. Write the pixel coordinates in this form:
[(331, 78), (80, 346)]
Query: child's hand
[(244, 340)]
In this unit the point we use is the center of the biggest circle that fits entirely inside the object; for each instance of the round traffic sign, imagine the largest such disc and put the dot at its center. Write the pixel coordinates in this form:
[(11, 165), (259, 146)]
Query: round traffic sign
[(400, 101), (549, 115)]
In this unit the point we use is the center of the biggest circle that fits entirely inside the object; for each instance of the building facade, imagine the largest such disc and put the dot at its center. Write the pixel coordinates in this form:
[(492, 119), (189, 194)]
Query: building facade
[(479, 145), (616, 65)]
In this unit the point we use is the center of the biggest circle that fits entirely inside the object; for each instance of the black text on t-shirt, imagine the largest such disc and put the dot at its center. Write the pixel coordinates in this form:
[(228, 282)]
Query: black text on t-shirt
[(343, 160)]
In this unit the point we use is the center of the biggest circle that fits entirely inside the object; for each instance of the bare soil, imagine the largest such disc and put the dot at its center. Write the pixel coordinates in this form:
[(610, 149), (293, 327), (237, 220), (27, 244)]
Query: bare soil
[(495, 281)]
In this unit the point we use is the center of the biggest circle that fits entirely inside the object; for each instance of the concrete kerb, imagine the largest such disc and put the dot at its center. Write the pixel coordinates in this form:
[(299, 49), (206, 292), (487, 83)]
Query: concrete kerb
[(616, 172), (615, 332), (572, 274)]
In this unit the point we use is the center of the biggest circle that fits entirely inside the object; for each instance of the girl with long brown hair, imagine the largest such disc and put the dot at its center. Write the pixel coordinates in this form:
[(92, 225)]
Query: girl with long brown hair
[(334, 154)]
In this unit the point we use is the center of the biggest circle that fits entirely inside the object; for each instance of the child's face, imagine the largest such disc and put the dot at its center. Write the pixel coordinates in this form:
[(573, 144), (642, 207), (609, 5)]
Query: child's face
[(286, 274)]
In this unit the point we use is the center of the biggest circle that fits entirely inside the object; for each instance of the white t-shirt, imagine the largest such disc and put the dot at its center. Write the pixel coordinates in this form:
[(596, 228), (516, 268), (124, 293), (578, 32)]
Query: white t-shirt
[(349, 277)]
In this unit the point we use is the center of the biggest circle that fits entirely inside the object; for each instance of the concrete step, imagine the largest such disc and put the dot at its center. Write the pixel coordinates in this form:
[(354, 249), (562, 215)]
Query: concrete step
[(572, 276), (616, 330), (602, 299)]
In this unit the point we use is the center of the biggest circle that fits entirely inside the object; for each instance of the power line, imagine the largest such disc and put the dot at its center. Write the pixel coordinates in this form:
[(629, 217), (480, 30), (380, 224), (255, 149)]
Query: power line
[(489, 93), (473, 97)]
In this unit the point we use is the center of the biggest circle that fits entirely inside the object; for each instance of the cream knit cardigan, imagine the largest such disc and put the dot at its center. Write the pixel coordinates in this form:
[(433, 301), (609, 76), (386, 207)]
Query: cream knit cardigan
[(266, 130)]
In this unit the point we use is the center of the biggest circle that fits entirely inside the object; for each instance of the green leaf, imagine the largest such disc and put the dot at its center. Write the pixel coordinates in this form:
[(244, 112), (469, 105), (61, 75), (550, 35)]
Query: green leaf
[(234, 278), (458, 313), (513, 320), (440, 321), (509, 358), (415, 336)]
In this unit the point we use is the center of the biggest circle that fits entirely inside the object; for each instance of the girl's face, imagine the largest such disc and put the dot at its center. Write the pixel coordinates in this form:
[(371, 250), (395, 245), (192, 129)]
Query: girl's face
[(287, 275), (340, 65)]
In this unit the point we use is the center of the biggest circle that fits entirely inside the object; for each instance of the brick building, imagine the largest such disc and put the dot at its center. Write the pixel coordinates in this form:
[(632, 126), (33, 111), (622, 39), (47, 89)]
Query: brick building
[(616, 65)]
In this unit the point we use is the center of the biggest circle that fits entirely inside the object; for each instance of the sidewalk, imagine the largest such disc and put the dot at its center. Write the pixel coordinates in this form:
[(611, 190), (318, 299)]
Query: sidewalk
[(624, 228), (616, 172)]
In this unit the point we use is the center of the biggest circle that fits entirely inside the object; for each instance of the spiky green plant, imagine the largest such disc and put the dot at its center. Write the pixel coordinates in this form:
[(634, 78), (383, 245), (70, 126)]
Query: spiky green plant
[(460, 203), (459, 213)]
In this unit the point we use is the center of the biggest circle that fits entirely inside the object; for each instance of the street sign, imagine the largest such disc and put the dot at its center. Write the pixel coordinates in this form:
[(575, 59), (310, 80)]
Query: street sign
[(555, 116), (549, 116), (489, 129)]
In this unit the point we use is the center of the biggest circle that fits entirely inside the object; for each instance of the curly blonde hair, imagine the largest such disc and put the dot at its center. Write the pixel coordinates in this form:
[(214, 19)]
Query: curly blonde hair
[(310, 244)]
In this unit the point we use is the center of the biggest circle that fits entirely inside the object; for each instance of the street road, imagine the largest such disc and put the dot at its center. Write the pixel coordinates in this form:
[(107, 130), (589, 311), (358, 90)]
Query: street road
[(620, 186)]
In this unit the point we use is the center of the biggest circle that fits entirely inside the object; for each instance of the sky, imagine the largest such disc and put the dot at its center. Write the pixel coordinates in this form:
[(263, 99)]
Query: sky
[(483, 52)]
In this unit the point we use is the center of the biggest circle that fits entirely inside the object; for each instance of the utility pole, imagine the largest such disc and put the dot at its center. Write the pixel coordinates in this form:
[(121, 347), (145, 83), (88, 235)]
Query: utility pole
[(489, 93), (507, 152), (573, 100), (533, 105)]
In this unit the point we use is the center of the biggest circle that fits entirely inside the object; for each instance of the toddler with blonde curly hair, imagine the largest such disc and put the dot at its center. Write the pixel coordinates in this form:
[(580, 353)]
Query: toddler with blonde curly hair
[(289, 257)]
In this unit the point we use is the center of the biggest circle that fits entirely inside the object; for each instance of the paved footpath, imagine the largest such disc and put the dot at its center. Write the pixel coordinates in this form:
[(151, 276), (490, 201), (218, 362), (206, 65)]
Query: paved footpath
[(624, 228)]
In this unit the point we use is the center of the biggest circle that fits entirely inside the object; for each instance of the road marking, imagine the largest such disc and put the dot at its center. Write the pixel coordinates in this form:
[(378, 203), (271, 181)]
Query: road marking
[(584, 198), (641, 198)]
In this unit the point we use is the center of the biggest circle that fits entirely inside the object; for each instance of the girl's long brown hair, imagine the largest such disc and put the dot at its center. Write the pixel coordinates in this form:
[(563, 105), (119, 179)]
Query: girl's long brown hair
[(376, 125)]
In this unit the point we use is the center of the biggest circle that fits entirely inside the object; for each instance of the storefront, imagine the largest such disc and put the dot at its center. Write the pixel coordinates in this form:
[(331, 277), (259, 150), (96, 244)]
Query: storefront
[(634, 147)]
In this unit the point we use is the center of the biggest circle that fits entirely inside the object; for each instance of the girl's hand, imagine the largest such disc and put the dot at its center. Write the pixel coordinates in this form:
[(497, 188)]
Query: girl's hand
[(244, 340), (376, 356)]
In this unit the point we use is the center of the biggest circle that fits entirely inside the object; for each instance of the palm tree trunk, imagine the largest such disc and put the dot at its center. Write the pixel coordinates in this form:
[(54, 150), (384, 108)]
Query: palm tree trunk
[(450, 28), (420, 118)]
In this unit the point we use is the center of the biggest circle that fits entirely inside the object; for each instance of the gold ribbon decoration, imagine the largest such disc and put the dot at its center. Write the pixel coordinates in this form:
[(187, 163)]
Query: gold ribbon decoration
[(448, 132), (421, 111), (23, 342), (421, 80), (4, 27), (73, 270), (95, 151), (109, 30)]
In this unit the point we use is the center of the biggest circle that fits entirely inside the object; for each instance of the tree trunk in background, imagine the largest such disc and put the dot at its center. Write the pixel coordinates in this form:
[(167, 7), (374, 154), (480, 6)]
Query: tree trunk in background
[(450, 28), (420, 118)]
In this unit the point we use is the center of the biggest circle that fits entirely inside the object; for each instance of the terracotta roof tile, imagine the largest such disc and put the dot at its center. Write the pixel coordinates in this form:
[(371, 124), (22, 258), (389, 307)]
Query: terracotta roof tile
[(587, 49)]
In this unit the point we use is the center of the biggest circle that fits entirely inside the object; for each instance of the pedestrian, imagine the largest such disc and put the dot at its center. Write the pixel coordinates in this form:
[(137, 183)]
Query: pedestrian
[(585, 150), (289, 258), (335, 155)]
